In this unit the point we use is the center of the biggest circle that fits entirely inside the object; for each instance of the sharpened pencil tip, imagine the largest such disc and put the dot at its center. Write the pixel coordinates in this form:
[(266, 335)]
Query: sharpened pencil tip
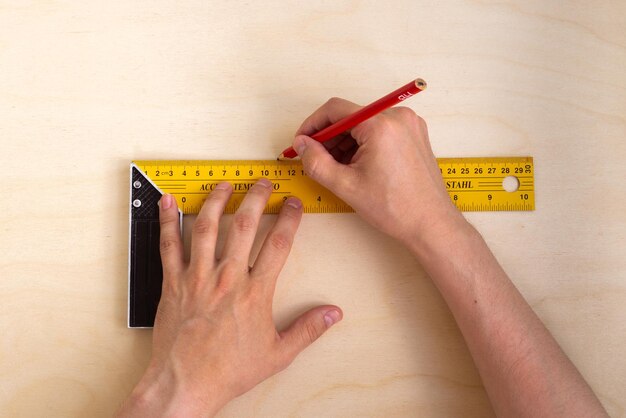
[(283, 157)]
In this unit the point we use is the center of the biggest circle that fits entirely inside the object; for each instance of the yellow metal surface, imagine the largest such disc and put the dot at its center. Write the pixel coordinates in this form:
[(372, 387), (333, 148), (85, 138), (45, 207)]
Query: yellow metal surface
[(474, 184)]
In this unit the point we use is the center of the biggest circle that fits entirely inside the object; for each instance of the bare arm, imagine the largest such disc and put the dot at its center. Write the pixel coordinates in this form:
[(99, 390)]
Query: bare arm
[(524, 371)]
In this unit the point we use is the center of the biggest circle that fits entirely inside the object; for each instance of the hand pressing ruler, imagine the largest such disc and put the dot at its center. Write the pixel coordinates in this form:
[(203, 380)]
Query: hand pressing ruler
[(474, 184)]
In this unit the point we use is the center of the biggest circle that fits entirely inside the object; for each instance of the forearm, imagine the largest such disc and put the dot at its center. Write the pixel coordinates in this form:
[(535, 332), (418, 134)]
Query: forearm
[(523, 369)]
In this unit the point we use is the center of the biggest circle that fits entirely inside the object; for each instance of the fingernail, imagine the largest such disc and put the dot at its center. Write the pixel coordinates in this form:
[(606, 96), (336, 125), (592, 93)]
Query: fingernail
[(264, 183), (299, 144), (294, 202), (223, 186), (331, 317), (166, 201)]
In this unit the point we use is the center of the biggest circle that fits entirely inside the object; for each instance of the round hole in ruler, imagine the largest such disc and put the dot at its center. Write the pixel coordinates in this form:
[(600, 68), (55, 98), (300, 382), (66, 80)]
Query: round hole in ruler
[(137, 184), (510, 184), (136, 203)]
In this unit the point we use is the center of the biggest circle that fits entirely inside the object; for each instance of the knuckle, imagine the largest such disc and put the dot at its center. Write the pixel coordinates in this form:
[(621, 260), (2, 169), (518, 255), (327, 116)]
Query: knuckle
[(224, 287), (280, 241), (257, 289), (204, 226), (383, 123), (309, 333), (167, 244), (404, 112), (170, 222), (312, 168), (419, 122), (334, 101), (215, 195), (230, 272), (407, 115), (244, 222)]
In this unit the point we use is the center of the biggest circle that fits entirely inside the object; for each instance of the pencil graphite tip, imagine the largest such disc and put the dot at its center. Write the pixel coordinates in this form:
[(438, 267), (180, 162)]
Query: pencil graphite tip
[(283, 157), (420, 84)]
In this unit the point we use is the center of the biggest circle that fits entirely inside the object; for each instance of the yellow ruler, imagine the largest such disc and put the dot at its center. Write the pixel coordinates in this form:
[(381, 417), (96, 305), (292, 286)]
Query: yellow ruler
[(474, 184)]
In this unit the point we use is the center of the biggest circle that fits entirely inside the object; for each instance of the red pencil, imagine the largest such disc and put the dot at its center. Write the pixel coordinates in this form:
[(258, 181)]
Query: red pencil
[(365, 113)]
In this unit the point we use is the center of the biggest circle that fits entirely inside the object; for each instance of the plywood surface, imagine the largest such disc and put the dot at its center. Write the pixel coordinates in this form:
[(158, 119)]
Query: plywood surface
[(85, 87)]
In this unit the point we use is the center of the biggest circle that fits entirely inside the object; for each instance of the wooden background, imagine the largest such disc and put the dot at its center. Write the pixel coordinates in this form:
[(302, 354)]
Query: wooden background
[(87, 86)]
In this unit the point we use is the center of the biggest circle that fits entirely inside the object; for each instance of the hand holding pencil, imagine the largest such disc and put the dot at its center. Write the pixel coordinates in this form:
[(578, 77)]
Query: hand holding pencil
[(362, 114), (384, 167)]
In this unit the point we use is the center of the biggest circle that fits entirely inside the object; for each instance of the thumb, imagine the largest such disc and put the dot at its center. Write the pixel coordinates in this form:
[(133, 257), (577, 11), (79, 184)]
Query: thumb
[(320, 165), (308, 328)]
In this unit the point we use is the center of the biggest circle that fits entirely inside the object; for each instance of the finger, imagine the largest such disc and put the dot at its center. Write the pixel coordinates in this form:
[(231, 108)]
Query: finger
[(204, 232), (308, 328), (243, 230), (277, 244), (330, 112), (320, 165), (171, 243)]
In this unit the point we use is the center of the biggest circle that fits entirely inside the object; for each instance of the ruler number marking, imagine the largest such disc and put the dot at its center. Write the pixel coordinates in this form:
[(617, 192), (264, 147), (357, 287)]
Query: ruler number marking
[(476, 183)]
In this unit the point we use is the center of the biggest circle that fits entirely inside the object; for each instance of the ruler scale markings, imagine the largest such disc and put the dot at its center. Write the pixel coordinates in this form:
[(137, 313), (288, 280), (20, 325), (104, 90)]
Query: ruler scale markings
[(473, 183)]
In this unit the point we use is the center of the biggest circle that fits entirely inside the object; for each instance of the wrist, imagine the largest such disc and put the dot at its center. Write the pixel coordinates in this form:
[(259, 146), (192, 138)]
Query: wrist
[(437, 235), (161, 395)]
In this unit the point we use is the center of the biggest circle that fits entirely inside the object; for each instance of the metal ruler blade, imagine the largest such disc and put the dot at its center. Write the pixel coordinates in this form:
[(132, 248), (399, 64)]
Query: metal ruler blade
[(474, 184)]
